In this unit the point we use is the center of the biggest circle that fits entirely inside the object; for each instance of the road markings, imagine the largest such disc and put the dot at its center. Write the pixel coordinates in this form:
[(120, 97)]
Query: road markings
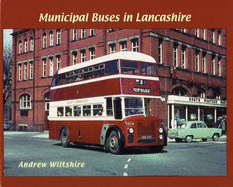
[(126, 167)]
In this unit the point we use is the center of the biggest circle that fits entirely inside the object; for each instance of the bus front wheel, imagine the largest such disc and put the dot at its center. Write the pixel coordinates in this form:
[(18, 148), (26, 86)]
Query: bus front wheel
[(114, 143), (64, 137)]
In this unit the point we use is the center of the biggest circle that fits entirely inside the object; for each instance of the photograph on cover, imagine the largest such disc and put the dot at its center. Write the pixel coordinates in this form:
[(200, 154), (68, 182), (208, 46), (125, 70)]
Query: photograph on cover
[(115, 102)]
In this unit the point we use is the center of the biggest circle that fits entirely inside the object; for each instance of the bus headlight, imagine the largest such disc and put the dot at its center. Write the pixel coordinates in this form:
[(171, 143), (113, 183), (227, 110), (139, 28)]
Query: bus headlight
[(131, 130), (160, 137), (160, 130)]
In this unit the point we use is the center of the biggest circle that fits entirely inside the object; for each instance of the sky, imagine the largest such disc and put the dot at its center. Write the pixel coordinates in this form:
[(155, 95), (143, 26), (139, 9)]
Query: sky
[(7, 38)]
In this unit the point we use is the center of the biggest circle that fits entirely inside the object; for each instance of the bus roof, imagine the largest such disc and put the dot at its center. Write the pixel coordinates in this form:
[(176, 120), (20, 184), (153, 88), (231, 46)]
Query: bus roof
[(125, 55)]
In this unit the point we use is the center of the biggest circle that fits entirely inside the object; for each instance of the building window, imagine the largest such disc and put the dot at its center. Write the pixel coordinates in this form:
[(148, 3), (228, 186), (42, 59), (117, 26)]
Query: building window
[(92, 32), (20, 72), (25, 101), (31, 44), (44, 40), (92, 53), (204, 62), (213, 36), (213, 65), (219, 67), (203, 34), (74, 57), (201, 93), (25, 71), (179, 91), (75, 34), (31, 70), (83, 33), (123, 46), (51, 67), (58, 37), (196, 68), (44, 67), (112, 48), (183, 30), (20, 47), (219, 37), (83, 55), (183, 57), (196, 32), (51, 38), (46, 100), (175, 55), (58, 62), (134, 44), (25, 45), (160, 51)]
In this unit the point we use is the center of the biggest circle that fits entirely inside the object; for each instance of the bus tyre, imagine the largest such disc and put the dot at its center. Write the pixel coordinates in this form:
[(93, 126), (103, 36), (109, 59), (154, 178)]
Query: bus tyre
[(114, 143), (215, 137), (64, 137)]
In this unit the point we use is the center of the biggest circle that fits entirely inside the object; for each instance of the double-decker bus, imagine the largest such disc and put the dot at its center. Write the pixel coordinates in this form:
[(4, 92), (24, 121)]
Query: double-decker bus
[(105, 101)]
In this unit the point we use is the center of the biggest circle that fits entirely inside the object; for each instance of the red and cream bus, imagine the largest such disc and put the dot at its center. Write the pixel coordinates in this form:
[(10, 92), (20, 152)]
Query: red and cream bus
[(105, 101)]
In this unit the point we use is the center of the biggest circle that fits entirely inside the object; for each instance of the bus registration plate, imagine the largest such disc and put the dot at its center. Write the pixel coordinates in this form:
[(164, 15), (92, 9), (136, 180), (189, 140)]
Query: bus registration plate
[(144, 137)]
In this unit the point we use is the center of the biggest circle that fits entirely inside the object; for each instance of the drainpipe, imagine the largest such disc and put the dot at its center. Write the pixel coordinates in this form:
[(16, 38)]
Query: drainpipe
[(33, 83), (15, 38)]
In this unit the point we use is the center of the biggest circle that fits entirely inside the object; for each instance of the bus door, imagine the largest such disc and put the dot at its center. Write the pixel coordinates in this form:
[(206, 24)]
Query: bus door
[(117, 108)]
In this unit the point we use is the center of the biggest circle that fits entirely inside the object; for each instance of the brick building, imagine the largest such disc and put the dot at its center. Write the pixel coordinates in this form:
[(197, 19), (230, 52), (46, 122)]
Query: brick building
[(191, 67)]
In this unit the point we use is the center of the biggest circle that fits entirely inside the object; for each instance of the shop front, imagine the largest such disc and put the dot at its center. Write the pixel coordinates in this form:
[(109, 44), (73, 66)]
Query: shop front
[(183, 108)]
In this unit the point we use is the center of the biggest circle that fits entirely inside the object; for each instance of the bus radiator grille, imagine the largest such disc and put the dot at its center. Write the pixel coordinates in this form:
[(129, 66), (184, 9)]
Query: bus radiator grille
[(146, 130)]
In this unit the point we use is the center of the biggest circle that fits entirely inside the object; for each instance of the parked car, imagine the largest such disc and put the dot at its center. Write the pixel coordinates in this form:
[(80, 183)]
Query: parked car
[(189, 130), (7, 125)]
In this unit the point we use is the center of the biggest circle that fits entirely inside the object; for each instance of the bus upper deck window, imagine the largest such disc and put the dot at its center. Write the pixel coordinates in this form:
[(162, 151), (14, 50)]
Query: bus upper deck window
[(129, 67), (78, 74), (99, 70), (148, 69), (54, 81), (88, 73), (111, 68)]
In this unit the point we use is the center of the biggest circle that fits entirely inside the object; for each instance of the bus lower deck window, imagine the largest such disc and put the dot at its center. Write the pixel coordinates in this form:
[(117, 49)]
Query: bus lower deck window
[(77, 110), (60, 111), (68, 111), (109, 107), (86, 110), (97, 110)]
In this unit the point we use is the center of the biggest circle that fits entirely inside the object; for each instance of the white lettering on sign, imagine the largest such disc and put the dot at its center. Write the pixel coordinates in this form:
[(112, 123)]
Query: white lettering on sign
[(142, 90)]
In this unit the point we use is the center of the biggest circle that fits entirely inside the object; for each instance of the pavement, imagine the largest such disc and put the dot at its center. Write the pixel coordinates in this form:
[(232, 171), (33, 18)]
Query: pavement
[(45, 135)]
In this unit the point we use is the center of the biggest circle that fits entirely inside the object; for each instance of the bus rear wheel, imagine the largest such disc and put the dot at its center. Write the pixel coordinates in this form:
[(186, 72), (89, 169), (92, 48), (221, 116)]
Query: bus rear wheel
[(64, 137), (114, 143)]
